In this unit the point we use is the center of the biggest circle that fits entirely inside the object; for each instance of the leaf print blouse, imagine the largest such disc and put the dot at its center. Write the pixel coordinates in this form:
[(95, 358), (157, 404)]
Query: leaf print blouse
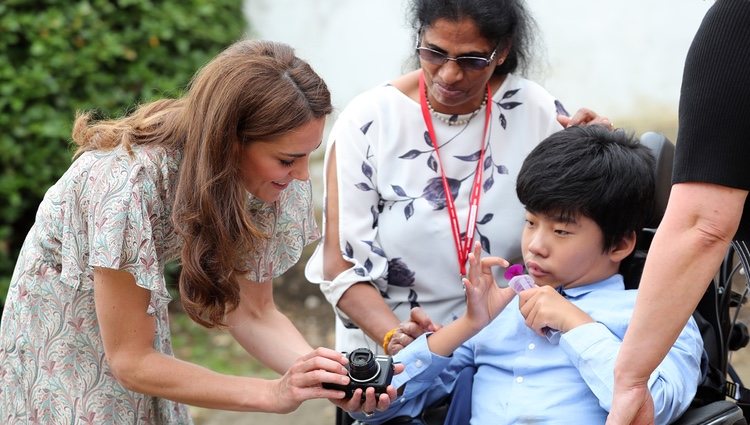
[(393, 221), (112, 210)]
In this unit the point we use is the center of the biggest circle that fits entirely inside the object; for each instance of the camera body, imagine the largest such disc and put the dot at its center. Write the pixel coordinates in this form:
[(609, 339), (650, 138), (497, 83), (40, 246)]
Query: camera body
[(366, 370)]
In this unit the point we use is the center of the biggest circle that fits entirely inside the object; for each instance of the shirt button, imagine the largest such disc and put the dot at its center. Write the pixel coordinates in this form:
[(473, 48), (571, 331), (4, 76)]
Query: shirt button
[(532, 346), (519, 379), (418, 363)]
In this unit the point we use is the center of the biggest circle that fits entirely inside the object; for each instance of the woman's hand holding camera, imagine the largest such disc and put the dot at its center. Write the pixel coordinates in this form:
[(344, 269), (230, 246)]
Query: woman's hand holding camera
[(302, 381), (370, 402)]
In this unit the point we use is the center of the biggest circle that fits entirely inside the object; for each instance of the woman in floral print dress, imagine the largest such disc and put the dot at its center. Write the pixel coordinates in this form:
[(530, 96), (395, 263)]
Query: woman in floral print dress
[(219, 179)]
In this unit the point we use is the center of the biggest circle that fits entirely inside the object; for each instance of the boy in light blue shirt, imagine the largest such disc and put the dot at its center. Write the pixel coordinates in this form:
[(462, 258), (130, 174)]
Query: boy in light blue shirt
[(587, 191)]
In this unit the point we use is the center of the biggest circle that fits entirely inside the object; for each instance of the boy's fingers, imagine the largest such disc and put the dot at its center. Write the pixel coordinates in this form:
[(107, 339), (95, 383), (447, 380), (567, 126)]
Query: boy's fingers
[(488, 262)]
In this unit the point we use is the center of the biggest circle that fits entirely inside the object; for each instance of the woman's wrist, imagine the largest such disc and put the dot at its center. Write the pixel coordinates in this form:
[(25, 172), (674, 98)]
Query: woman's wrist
[(365, 307), (387, 338), (272, 398)]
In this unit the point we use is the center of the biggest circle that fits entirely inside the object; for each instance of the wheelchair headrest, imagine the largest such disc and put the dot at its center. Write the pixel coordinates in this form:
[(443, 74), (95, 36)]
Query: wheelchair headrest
[(663, 151)]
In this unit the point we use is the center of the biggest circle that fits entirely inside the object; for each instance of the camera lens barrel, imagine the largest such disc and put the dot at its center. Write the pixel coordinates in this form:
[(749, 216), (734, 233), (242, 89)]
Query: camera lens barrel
[(366, 370), (362, 365)]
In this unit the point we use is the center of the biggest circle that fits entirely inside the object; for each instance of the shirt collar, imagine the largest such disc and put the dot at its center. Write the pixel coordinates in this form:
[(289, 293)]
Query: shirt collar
[(611, 283)]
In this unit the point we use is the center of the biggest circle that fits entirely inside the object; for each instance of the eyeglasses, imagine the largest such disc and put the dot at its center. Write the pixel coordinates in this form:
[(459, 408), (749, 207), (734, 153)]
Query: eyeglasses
[(474, 63)]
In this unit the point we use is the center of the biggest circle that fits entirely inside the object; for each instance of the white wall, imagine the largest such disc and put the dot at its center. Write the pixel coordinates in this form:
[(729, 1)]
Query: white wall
[(352, 44), (622, 58)]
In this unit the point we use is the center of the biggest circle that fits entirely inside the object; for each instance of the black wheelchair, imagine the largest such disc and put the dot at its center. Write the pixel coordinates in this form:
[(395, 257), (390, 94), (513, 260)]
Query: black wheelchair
[(721, 398)]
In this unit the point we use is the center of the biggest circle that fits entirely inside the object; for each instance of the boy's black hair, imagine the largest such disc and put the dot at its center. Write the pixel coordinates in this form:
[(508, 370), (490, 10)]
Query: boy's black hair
[(607, 176)]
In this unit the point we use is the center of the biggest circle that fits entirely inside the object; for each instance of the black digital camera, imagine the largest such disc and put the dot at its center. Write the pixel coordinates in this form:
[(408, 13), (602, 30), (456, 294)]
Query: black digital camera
[(366, 370)]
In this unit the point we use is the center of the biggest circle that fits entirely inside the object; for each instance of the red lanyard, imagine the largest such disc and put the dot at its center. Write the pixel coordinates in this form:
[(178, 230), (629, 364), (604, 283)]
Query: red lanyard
[(463, 245)]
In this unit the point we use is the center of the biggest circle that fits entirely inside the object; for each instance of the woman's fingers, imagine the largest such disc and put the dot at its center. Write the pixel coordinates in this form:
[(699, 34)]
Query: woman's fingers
[(371, 402), (379, 403), (409, 330), (295, 387), (351, 404), (333, 362), (312, 370), (312, 377), (384, 401), (582, 116), (327, 353), (308, 376), (418, 316), (398, 341), (585, 116), (394, 347)]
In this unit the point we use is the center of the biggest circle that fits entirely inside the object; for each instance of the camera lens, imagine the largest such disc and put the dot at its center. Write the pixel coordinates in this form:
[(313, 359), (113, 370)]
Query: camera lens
[(362, 365)]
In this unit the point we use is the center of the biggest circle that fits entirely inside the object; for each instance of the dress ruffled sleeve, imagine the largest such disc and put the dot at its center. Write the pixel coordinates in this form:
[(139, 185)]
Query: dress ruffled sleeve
[(124, 210), (289, 223)]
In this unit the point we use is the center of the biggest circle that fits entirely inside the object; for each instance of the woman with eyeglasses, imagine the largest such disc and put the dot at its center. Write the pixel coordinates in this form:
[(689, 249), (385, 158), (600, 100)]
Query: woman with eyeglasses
[(418, 169)]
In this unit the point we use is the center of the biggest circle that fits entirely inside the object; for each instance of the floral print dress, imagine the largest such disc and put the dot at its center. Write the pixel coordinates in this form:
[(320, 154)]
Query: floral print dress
[(110, 209), (393, 222)]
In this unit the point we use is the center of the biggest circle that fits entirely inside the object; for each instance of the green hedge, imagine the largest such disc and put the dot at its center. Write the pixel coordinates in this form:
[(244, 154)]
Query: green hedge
[(59, 57)]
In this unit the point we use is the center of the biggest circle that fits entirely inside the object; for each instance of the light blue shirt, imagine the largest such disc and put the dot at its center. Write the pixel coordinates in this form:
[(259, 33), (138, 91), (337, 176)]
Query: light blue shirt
[(523, 378)]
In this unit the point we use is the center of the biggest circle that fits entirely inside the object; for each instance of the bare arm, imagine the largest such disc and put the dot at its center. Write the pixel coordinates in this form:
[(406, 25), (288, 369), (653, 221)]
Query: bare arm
[(362, 301), (484, 301), (256, 321), (686, 252), (128, 336)]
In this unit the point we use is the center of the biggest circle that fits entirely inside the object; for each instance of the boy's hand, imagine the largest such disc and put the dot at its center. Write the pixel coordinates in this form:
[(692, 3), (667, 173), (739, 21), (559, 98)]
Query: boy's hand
[(369, 404), (544, 307), (484, 299)]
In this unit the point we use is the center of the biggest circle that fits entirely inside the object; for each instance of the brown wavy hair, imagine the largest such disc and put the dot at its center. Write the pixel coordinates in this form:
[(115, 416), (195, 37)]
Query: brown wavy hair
[(253, 90)]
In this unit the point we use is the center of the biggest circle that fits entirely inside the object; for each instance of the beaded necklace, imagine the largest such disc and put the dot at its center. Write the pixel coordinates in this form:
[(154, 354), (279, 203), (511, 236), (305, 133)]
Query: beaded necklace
[(454, 118)]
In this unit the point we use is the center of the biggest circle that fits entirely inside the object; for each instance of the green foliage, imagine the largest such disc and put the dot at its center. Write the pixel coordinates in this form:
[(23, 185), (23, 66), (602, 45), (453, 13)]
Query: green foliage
[(58, 57)]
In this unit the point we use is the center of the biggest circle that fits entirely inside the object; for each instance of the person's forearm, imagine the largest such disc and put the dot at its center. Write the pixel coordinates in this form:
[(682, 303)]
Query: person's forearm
[(683, 258), (670, 289), (361, 302), (366, 308), (270, 337), (445, 341), (593, 348), (164, 376)]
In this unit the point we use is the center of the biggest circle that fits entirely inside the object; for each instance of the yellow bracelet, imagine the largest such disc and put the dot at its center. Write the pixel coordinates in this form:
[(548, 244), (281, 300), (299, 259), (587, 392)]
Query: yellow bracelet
[(387, 339)]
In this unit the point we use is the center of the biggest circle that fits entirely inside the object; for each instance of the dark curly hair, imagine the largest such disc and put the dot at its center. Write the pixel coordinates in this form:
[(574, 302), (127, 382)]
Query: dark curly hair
[(502, 22)]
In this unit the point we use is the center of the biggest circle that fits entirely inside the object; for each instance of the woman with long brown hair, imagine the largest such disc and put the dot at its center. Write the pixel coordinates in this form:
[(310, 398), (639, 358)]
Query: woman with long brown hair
[(218, 178)]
